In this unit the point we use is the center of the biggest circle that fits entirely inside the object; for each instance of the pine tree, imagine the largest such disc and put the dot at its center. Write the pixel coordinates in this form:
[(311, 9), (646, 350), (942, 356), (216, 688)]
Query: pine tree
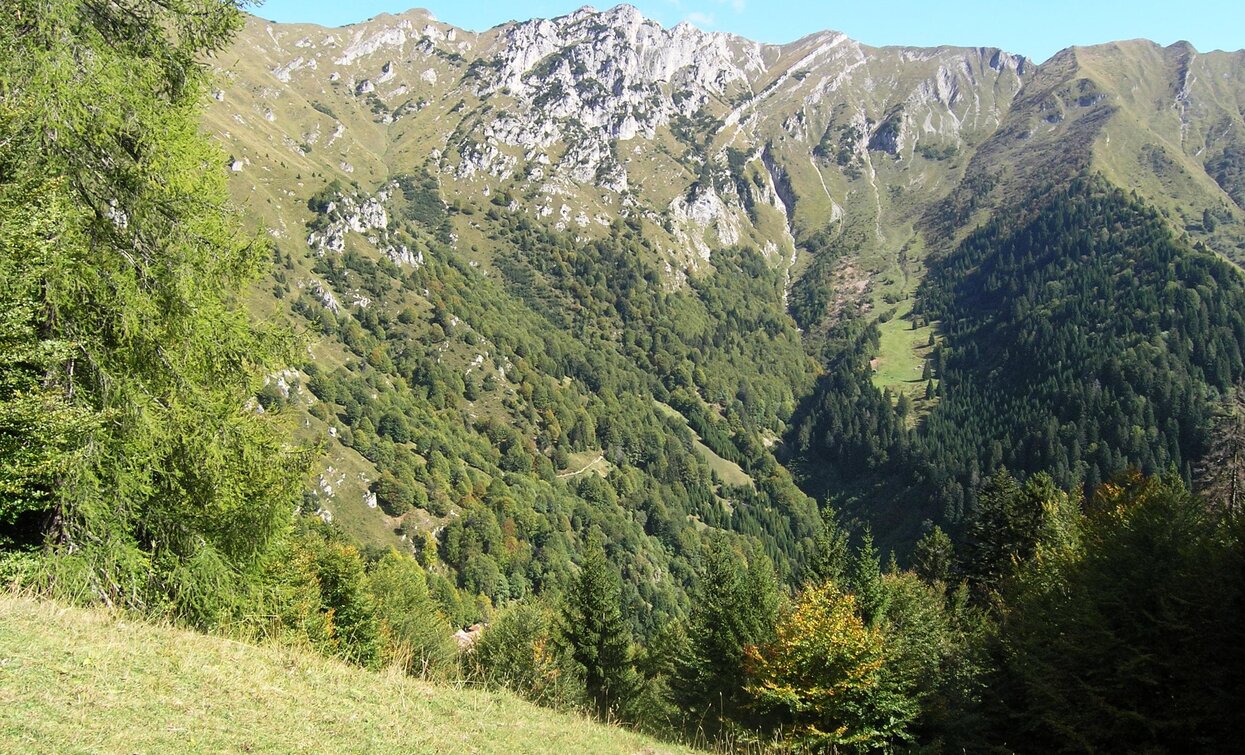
[(1127, 636), (997, 528), (865, 579), (829, 557), (904, 406), (1220, 475), (933, 557), (596, 633)]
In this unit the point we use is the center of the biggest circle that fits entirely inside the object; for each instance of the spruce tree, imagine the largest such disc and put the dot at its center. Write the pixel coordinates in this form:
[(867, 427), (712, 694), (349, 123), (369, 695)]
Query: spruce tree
[(734, 607), (828, 560), (866, 582), (596, 632), (1127, 637), (996, 529), (933, 557), (1220, 476)]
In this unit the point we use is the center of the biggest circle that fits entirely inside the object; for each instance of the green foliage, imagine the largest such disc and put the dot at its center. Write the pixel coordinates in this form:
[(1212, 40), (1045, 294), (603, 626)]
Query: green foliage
[(1008, 523), (654, 707), (336, 610), (846, 428), (830, 552), (414, 634), (522, 652), (1002, 527), (1078, 338), (320, 590), (934, 659), (321, 107), (1220, 475), (1228, 170), (423, 199), (933, 556), (563, 376), (179, 493), (596, 634), (40, 429), (865, 581), (734, 607), (729, 324), (1059, 360), (1127, 637)]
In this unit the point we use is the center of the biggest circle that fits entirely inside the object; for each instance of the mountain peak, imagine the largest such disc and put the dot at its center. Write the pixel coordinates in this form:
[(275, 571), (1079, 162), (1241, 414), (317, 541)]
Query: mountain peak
[(623, 15)]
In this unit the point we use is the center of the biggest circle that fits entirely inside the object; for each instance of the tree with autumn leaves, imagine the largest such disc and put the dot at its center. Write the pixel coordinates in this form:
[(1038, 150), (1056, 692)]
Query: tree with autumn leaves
[(823, 677)]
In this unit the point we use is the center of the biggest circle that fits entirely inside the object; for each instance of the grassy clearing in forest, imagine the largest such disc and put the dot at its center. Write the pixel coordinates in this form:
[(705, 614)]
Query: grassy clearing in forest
[(901, 357)]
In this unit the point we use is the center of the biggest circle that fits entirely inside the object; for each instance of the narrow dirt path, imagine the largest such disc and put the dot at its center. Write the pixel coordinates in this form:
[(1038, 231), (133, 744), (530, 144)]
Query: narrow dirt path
[(582, 469)]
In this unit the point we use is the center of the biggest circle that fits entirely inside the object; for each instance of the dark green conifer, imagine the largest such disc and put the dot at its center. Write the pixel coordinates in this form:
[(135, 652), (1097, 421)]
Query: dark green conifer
[(596, 632)]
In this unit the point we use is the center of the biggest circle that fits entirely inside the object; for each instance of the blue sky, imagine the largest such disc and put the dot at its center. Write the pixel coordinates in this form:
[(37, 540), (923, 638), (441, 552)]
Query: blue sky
[(1037, 29)]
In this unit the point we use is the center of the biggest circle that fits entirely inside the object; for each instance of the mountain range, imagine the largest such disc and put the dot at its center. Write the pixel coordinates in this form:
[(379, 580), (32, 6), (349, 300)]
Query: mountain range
[(492, 230)]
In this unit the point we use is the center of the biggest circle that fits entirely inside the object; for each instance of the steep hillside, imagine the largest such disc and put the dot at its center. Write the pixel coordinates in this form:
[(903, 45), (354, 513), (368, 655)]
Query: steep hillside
[(1164, 122), (1078, 338), (513, 126), (531, 239), (777, 397), (705, 139), (83, 680)]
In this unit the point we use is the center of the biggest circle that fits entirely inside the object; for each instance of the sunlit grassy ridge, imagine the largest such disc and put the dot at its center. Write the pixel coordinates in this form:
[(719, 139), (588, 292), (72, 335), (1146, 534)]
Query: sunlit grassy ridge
[(84, 681)]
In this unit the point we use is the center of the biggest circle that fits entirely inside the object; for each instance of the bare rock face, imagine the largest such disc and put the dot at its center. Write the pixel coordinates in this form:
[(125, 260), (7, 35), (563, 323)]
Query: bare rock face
[(366, 216), (708, 138), (891, 135), (364, 43), (286, 71), (577, 104), (608, 68), (590, 79)]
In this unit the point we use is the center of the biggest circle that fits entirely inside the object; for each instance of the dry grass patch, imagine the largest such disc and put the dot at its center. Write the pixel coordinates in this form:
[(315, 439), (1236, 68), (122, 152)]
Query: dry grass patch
[(75, 680)]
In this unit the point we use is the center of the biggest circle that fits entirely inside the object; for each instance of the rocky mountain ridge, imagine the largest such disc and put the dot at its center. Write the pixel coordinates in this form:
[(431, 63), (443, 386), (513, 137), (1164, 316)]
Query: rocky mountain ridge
[(708, 138), (586, 106), (843, 164)]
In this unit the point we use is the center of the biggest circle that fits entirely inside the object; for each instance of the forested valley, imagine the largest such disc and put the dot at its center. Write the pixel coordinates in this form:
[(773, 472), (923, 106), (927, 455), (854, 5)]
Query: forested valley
[(685, 507)]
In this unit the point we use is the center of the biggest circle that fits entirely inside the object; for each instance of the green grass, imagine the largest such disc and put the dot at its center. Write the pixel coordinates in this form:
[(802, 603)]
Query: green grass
[(728, 471), (901, 356), (583, 462), (74, 680)]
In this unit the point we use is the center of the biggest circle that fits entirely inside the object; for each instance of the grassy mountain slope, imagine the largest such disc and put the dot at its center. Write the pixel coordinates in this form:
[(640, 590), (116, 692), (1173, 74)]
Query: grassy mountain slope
[(74, 680), (585, 179), (1162, 121), (467, 357), (300, 106)]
